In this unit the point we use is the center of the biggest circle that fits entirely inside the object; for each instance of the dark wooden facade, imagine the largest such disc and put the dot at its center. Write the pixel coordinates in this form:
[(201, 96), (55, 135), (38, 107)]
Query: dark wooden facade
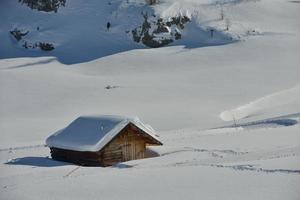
[(129, 144)]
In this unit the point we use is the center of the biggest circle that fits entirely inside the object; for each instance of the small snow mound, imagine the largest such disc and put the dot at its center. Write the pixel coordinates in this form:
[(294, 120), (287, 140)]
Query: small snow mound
[(231, 115), (261, 105)]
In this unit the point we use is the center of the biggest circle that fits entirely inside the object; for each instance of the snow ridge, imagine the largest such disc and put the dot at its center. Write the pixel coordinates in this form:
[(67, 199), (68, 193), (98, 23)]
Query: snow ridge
[(278, 99)]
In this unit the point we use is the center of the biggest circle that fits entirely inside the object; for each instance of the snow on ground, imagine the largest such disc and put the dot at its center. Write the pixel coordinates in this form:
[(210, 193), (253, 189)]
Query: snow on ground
[(180, 90), (286, 98)]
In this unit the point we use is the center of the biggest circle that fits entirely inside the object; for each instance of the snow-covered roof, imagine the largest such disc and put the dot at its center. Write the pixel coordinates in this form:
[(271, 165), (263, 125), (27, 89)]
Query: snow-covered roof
[(92, 133)]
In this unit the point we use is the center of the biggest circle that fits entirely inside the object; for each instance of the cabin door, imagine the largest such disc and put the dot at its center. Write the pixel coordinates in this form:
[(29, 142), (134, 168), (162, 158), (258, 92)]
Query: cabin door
[(127, 150), (139, 150), (132, 150)]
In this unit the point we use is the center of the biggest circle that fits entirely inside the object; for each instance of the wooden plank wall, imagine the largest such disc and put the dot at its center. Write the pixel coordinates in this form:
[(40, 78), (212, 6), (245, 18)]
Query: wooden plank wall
[(128, 145)]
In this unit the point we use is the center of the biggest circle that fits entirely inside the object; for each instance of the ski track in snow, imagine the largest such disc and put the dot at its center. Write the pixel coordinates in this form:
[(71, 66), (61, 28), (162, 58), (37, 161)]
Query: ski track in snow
[(213, 152), (243, 157), (252, 168), (23, 147), (218, 158)]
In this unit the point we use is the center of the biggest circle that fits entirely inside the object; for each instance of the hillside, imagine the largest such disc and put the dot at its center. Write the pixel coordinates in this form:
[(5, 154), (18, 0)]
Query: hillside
[(71, 30), (226, 106)]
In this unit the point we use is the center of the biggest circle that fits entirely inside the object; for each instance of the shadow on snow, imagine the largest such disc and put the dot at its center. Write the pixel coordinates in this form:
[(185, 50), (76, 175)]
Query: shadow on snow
[(195, 37), (37, 162), (284, 120)]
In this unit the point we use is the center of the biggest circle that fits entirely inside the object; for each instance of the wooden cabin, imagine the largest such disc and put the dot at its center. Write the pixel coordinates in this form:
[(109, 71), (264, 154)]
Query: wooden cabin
[(102, 141)]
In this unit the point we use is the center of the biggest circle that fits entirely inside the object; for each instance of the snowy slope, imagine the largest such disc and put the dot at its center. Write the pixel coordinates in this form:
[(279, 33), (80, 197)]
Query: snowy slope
[(73, 42), (228, 115)]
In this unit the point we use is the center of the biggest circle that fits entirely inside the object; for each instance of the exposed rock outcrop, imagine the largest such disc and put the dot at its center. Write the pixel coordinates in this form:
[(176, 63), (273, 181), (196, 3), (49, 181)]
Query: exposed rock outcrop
[(18, 34), (46, 46), (44, 5), (158, 32)]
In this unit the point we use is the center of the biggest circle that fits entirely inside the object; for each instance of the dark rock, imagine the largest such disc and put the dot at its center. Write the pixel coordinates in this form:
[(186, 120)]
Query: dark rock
[(161, 29), (18, 34), (150, 33), (136, 36), (156, 44), (109, 87), (169, 24), (46, 46), (25, 45), (177, 35), (44, 5)]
